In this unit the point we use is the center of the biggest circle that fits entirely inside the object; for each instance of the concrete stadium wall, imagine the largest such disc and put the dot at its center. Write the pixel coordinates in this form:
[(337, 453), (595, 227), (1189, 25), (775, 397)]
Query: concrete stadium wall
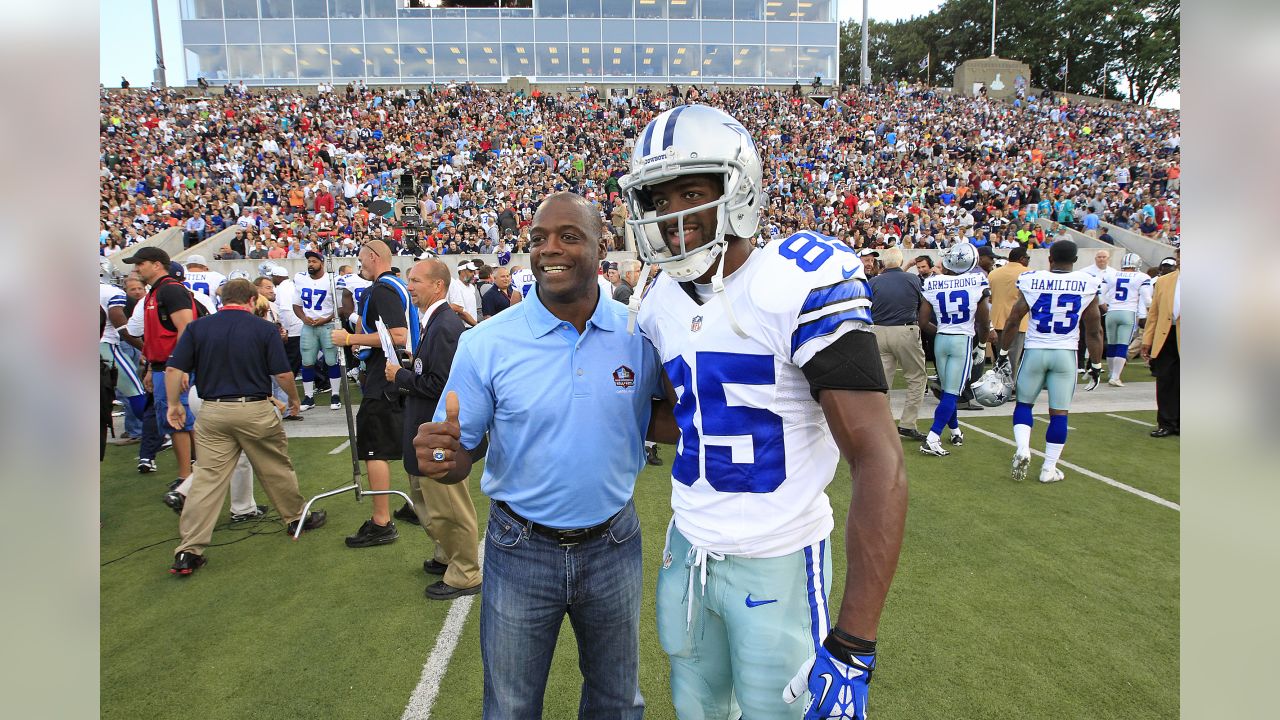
[(209, 246), (1151, 251), (1088, 245)]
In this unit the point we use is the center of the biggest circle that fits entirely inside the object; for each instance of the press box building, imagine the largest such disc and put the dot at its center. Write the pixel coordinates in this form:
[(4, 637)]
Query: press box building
[(304, 42)]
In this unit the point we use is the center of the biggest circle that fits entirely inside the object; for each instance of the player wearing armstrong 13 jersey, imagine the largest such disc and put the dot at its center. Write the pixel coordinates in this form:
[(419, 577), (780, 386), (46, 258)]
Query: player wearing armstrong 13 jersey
[(1122, 296), (313, 305), (959, 300), (112, 300), (774, 375), (1060, 302)]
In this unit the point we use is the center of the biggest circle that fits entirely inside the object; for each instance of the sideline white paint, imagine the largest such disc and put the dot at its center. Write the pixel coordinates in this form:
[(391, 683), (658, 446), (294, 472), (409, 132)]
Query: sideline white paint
[(424, 695), (1135, 422), (345, 444), (1101, 478)]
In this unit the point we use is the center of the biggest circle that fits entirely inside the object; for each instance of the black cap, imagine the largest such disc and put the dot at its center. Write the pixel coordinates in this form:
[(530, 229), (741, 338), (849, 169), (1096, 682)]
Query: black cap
[(313, 254), (148, 254), (176, 269)]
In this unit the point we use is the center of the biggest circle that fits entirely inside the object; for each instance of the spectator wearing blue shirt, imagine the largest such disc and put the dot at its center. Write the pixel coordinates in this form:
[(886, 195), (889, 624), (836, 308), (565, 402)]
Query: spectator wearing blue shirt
[(557, 378), (194, 232)]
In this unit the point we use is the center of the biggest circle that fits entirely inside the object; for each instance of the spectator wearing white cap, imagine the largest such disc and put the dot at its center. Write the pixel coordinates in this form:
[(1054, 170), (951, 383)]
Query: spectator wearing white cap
[(202, 280), (463, 297), (284, 310)]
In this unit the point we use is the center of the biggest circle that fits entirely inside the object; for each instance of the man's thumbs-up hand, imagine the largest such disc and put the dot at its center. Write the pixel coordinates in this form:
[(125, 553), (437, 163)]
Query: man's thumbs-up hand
[(437, 443)]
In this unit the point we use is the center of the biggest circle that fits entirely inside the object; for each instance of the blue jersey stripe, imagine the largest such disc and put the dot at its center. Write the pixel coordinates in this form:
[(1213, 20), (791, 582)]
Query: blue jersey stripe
[(826, 325), (668, 133), (812, 596), (850, 289)]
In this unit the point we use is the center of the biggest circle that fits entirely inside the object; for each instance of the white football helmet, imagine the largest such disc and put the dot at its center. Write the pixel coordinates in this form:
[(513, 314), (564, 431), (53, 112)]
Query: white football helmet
[(693, 140), (993, 389), (106, 271), (1131, 260), (265, 267), (960, 258), (238, 275)]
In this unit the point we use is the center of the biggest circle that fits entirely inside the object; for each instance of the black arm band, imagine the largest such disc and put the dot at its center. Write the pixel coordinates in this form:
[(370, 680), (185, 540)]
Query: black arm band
[(478, 452), (850, 363), (844, 646)]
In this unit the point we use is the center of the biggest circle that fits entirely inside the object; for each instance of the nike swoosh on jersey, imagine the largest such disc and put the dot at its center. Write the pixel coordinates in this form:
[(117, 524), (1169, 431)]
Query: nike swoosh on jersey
[(756, 603), (848, 273)]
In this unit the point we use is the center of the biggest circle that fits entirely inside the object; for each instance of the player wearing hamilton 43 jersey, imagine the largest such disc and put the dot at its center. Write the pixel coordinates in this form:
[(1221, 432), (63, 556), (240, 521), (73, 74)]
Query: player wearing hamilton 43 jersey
[(1061, 302), (959, 301), (313, 305), (1122, 295), (774, 375)]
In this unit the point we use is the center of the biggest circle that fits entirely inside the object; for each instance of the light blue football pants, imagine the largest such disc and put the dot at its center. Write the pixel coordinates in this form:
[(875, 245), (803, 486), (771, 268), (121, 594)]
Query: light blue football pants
[(736, 642)]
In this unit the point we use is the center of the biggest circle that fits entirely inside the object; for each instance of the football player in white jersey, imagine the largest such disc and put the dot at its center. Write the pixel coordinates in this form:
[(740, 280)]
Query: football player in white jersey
[(1060, 301), (959, 300), (775, 375), (522, 279), (313, 305), (112, 300), (1122, 296), (351, 289), (202, 280)]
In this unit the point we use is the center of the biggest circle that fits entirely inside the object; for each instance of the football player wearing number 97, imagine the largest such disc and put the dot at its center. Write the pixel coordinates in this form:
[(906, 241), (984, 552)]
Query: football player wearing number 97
[(313, 305), (1059, 300), (775, 375)]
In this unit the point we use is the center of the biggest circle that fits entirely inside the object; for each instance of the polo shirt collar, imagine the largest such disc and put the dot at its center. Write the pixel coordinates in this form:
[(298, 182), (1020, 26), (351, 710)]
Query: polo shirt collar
[(541, 321)]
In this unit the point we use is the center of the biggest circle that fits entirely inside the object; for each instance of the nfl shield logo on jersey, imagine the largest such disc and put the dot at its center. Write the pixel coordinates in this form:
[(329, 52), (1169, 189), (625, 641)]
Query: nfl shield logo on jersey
[(696, 324), (624, 377)]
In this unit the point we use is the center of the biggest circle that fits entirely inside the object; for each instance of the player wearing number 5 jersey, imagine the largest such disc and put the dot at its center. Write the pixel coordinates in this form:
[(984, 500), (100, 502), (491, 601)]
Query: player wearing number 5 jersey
[(774, 375), (1060, 301), (959, 300), (313, 305), (1121, 294)]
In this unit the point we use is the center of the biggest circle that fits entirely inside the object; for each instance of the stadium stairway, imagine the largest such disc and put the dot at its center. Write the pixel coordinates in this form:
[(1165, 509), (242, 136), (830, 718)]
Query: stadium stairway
[(207, 247), (1151, 251), (168, 240)]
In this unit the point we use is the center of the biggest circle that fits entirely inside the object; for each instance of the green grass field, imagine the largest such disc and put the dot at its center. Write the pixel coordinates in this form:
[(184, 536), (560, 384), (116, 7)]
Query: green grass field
[(1011, 600)]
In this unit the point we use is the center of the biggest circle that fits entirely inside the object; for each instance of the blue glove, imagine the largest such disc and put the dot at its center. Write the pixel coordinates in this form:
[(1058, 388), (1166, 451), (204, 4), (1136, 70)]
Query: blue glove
[(836, 680)]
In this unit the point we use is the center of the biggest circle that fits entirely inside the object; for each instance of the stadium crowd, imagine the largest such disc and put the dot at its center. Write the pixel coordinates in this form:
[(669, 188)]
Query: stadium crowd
[(294, 169)]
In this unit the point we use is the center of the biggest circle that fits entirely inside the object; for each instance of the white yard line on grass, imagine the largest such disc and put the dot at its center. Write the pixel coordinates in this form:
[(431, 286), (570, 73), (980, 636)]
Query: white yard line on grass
[(1135, 422), (345, 444), (1083, 471), (424, 695)]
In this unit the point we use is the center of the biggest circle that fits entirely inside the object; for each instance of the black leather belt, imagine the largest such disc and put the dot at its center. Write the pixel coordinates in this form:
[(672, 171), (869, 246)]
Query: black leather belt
[(566, 538), (239, 399)]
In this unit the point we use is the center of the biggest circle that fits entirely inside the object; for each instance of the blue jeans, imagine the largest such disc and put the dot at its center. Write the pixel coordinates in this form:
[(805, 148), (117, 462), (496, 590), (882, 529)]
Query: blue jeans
[(530, 583)]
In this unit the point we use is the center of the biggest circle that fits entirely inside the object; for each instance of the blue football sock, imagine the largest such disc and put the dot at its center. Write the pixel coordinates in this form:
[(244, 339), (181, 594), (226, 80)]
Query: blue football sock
[(944, 412), (1057, 432), (335, 372), (308, 373)]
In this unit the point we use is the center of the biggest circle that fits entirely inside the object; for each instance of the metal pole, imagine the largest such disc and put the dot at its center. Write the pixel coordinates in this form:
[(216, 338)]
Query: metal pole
[(864, 70), (155, 22), (993, 28)]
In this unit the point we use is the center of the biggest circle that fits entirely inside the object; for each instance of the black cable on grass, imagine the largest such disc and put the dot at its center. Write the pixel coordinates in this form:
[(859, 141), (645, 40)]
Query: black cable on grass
[(250, 525)]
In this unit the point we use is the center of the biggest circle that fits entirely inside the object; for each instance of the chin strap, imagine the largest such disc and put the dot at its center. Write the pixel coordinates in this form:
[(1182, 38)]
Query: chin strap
[(717, 286), (633, 305)]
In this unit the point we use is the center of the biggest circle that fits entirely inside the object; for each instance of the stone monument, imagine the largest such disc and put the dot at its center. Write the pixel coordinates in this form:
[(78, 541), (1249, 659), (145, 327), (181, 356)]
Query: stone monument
[(1000, 76)]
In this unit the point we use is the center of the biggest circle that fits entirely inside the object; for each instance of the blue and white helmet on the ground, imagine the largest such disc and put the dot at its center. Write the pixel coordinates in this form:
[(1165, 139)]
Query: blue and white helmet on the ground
[(993, 389), (693, 140)]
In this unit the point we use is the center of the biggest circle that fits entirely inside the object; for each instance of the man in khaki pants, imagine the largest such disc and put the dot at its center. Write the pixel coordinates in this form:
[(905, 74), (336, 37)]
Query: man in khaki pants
[(895, 306), (235, 354), (444, 511)]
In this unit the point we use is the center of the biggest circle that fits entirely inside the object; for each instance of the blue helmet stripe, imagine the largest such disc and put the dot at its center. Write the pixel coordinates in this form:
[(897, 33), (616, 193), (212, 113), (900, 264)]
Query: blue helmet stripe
[(668, 133), (647, 141)]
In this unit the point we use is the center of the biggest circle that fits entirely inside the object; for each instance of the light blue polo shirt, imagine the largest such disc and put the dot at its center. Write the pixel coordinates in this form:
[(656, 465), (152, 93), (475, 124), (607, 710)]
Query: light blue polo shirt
[(566, 413)]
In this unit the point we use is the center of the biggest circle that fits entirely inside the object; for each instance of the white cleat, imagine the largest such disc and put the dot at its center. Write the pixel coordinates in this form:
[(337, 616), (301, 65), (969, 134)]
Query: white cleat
[(957, 439), (1050, 475), (1115, 382), (934, 448), (1020, 465), (335, 404)]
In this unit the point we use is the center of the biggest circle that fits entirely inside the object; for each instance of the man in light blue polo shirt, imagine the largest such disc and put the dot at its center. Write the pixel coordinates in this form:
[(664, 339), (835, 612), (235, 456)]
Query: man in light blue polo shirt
[(565, 394)]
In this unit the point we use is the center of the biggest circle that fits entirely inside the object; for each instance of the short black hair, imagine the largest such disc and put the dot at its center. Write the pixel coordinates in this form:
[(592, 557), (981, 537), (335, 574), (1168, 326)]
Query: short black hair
[(1017, 254), (927, 260), (1063, 251)]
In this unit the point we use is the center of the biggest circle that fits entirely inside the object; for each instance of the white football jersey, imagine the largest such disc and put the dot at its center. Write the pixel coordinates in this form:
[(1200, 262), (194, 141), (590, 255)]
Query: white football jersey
[(313, 294), (1126, 289), (110, 296), (206, 282), (955, 300), (1057, 301), (355, 285), (756, 454), (523, 281)]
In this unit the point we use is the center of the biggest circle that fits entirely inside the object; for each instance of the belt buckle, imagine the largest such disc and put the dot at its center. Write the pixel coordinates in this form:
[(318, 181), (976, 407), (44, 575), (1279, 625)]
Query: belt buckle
[(569, 538)]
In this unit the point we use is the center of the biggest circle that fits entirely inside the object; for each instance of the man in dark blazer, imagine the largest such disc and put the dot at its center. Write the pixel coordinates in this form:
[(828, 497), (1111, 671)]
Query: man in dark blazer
[(444, 511)]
